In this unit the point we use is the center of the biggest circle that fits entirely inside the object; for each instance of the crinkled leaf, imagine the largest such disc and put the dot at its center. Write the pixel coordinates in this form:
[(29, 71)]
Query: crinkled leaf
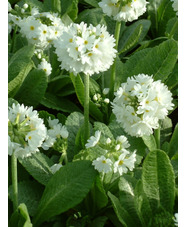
[(66, 189), (38, 165), (159, 180), (150, 142), (173, 145)]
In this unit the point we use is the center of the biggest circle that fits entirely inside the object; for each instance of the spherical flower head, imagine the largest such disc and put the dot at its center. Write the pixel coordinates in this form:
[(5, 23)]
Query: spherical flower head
[(140, 103), (129, 11), (175, 6), (26, 130), (102, 164), (45, 66), (93, 140), (124, 163), (86, 49)]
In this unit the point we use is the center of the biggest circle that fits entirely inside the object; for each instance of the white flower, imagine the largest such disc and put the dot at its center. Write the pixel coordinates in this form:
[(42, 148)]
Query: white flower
[(106, 91), (56, 131), (124, 163), (176, 219), (140, 103), (108, 141), (106, 101), (45, 66), (55, 167), (175, 6), (26, 130), (25, 6), (127, 12), (87, 49), (102, 164), (123, 142), (93, 140)]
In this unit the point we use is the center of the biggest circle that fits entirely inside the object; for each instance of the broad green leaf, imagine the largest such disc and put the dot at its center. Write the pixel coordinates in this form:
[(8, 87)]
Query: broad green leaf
[(173, 145), (33, 88), (20, 42), (94, 87), (38, 165), (126, 196), (172, 28), (79, 88), (158, 61), (73, 123), (69, 7), (165, 130), (99, 221), (142, 204), (158, 180), (133, 34), (30, 193), (172, 80), (20, 217), (54, 5), (122, 214), (91, 16), (14, 85), (66, 189), (34, 3), (19, 61), (150, 142), (58, 103)]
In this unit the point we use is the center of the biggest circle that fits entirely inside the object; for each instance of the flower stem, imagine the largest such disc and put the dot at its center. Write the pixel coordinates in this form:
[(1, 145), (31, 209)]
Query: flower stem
[(14, 181), (86, 109), (113, 67), (13, 39), (157, 137)]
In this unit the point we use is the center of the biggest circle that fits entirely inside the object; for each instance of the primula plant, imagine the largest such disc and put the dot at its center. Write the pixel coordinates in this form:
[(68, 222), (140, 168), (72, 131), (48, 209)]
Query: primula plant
[(92, 113)]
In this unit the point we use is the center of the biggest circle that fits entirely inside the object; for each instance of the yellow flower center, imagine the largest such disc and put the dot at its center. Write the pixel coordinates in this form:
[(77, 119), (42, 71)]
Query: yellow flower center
[(104, 161), (76, 48), (34, 38), (121, 162), (90, 54), (30, 137), (56, 32), (70, 40), (85, 42), (44, 32), (147, 102), (45, 70), (96, 46), (32, 28)]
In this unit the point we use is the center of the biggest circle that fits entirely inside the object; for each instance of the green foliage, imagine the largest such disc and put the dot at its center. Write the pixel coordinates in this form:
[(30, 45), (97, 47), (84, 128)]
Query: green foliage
[(38, 165), (66, 189), (33, 88), (159, 181), (20, 217)]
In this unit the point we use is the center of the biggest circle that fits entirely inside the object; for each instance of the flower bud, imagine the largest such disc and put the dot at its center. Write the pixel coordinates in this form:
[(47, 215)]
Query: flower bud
[(106, 91)]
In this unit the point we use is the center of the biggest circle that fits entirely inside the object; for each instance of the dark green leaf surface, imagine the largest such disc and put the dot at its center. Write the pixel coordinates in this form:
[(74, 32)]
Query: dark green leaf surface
[(67, 188)]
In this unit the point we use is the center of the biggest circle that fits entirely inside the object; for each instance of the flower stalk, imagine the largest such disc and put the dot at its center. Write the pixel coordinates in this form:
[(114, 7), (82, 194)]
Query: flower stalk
[(14, 181), (113, 67), (157, 137), (86, 108)]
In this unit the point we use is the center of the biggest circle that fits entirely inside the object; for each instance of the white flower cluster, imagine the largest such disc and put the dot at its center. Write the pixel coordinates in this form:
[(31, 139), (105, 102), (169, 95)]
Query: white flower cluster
[(116, 158), (123, 10), (55, 135), (26, 131), (45, 66), (175, 6), (87, 49), (140, 103), (39, 28)]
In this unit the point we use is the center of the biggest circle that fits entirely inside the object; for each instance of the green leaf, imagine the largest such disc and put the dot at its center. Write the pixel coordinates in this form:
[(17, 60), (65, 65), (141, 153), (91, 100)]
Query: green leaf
[(79, 88), (69, 7), (105, 131), (58, 103), (33, 88), (122, 214), (142, 204), (172, 28), (99, 221), (45, 116), (30, 193), (93, 3), (20, 218), (91, 16), (126, 196), (133, 34), (158, 61), (73, 123), (173, 145), (54, 5), (66, 189), (165, 130), (150, 142), (38, 165), (19, 61), (159, 180), (14, 85)]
